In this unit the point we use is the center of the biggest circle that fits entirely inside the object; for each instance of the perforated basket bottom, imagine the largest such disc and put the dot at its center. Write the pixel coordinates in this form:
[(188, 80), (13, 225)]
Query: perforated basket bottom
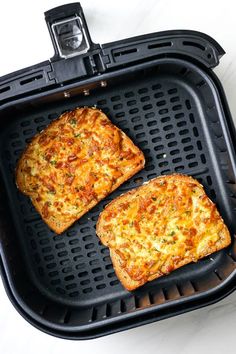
[(167, 117)]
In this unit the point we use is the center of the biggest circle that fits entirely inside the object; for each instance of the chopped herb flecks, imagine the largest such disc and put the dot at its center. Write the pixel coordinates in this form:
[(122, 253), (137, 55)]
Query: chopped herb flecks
[(53, 162), (73, 121)]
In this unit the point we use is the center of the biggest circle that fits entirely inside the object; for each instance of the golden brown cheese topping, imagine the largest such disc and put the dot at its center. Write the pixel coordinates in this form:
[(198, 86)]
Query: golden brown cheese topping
[(78, 160), (159, 227)]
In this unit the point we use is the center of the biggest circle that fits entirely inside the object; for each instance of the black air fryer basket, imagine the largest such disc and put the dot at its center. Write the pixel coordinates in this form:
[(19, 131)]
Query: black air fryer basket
[(161, 91)]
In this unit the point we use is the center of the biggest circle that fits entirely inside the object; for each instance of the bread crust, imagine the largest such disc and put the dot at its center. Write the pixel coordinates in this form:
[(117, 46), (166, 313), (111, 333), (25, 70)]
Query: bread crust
[(200, 232), (93, 144)]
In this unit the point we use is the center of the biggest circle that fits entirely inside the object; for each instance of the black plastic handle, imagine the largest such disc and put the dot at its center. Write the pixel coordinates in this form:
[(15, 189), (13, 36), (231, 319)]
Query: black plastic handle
[(69, 31), (71, 40), (192, 44)]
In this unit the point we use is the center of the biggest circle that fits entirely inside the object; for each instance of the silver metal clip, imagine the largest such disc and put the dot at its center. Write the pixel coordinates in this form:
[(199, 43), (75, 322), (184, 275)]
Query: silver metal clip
[(70, 37)]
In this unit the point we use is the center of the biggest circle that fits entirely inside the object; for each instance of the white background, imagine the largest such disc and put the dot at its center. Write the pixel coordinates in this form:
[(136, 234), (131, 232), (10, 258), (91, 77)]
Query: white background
[(24, 41)]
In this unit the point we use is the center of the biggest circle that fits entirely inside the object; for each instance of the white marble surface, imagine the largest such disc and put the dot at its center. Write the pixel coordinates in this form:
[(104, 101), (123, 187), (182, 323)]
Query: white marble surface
[(25, 41)]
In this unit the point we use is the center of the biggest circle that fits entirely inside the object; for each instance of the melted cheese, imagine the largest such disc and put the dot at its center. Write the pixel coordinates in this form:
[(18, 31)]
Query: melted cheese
[(78, 160), (162, 225)]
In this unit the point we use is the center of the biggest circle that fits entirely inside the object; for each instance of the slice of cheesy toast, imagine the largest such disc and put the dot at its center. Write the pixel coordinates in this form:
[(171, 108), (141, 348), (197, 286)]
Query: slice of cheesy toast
[(74, 163), (159, 227)]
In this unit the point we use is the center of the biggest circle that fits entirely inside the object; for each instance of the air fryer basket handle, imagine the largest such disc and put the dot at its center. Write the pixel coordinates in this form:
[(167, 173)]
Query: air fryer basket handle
[(71, 40), (70, 37), (69, 31)]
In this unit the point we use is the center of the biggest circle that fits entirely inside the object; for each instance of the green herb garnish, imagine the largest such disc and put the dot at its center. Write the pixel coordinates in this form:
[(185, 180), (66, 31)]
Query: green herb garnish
[(53, 162), (73, 121)]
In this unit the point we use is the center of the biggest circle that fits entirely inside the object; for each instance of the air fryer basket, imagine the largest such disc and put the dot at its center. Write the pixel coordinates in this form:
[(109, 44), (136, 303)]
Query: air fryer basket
[(172, 106)]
